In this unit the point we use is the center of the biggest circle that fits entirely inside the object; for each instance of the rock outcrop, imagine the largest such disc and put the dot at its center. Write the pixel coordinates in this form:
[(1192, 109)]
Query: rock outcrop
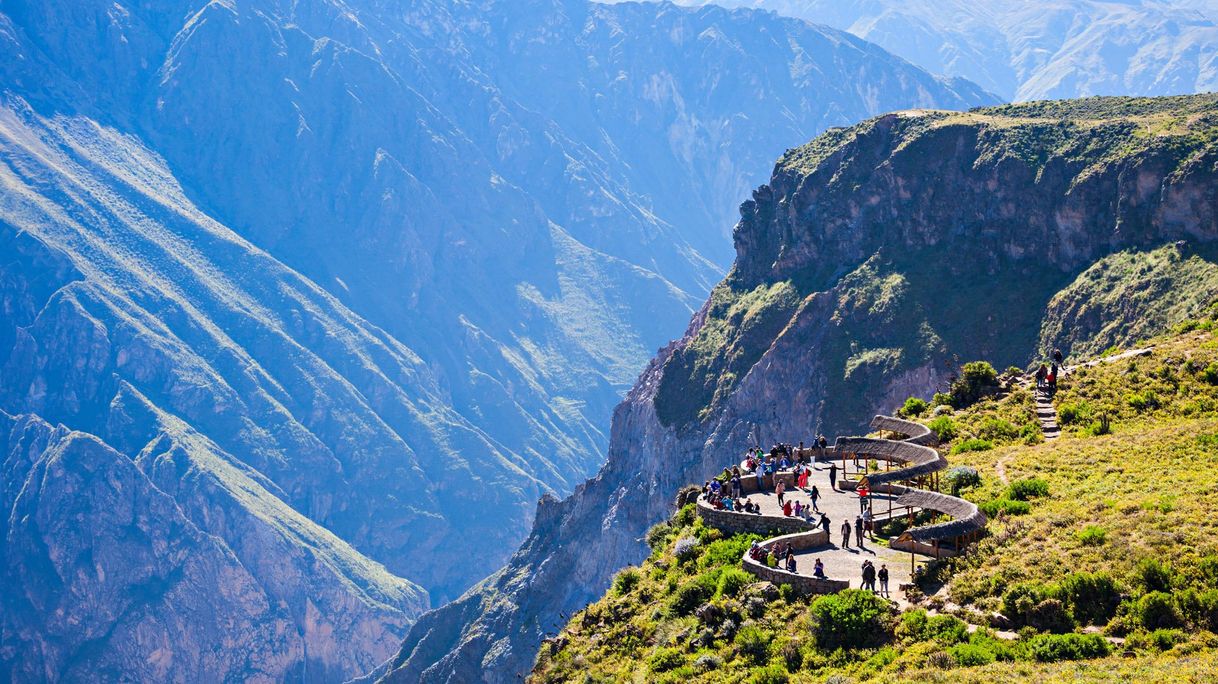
[(875, 259)]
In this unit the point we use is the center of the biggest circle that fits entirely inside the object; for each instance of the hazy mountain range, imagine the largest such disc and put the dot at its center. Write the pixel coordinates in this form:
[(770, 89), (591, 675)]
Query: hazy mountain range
[(306, 303), (1036, 50)]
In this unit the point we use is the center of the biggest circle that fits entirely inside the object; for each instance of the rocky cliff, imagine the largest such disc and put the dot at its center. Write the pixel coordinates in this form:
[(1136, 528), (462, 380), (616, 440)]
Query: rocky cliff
[(875, 259)]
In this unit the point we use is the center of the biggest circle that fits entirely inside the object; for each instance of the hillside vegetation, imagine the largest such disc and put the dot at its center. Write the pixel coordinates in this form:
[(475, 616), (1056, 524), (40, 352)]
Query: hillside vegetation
[(1100, 557)]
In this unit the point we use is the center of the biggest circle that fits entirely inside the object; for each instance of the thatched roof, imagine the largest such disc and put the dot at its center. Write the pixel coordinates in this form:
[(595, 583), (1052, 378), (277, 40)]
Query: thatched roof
[(917, 459), (916, 433)]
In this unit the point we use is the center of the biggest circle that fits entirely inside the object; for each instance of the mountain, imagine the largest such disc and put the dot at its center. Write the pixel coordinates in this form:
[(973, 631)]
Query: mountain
[(334, 289), (875, 259), (1030, 51), (1088, 540)]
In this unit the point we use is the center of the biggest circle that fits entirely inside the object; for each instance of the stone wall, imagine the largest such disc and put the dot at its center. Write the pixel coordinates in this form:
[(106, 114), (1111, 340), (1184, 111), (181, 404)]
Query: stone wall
[(803, 583), (732, 522)]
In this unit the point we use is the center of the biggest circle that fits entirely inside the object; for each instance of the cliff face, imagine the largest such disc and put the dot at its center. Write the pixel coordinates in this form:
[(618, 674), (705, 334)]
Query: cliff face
[(875, 259)]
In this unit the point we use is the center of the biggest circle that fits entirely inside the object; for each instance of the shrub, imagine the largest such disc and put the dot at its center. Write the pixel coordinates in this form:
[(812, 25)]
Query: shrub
[(996, 429), (774, 674), (972, 445), (1052, 615), (686, 548), (941, 399), (912, 625), (1005, 506), (665, 659), (962, 477), (1159, 640), (851, 618), (1027, 488), (687, 598), (944, 428), (1199, 608), (708, 663), (1093, 598), (754, 643), (626, 581), (727, 551), (1020, 600), (657, 536), (977, 378), (732, 580), (947, 629), (971, 655), (1210, 374), (1092, 535), (1142, 401), (1070, 413), (1050, 648), (686, 515), (913, 408), (1157, 610), (1154, 575)]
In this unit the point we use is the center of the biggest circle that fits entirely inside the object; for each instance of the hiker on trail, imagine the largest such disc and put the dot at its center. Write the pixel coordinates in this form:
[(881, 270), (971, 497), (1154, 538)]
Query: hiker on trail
[(1051, 378), (868, 575), (818, 570), (884, 580), (868, 524), (833, 476), (1041, 374), (814, 495), (824, 523), (845, 534), (1057, 357), (780, 489), (791, 562), (858, 531)]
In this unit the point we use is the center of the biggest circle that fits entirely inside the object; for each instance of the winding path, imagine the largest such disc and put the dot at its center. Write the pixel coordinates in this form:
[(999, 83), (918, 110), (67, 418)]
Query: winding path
[(917, 461)]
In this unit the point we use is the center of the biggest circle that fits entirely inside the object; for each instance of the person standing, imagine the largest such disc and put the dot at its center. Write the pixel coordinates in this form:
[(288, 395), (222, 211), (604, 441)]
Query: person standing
[(1057, 356), (858, 531), (814, 495), (833, 476), (869, 524), (868, 575), (824, 523), (884, 579), (780, 489), (845, 534)]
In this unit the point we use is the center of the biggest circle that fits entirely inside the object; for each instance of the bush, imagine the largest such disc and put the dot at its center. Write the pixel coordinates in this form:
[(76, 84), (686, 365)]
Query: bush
[(1143, 401), (944, 427), (851, 618), (1092, 535), (1052, 615), (971, 655), (962, 477), (1075, 412), (754, 643), (688, 597), (657, 536), (1050, 648), (1157, 610), (997, 429), (1037, 605), (686, 548), (947, 629), (941, 399), (774, 674), (665, 659), (1199, 608), (912, 625), (1154, 575), (727, 552), (977, 378), (1159, 640), (1093, 598), (913, 408), (626, 581), (972, 445), (1210, 374), (1027, 488), (732, 580), (1005, 506)]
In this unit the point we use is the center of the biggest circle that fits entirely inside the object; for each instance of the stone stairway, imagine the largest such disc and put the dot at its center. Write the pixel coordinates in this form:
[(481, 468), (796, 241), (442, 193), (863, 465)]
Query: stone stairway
[(1046, 414)]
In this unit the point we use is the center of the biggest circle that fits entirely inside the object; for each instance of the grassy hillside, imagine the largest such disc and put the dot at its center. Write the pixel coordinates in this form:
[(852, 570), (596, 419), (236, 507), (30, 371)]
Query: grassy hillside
[(1103, 535)]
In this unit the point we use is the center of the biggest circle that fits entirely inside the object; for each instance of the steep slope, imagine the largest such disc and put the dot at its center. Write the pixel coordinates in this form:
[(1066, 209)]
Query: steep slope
[(875, 258), (1029, 51), (1087, 538), (109, 575)]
